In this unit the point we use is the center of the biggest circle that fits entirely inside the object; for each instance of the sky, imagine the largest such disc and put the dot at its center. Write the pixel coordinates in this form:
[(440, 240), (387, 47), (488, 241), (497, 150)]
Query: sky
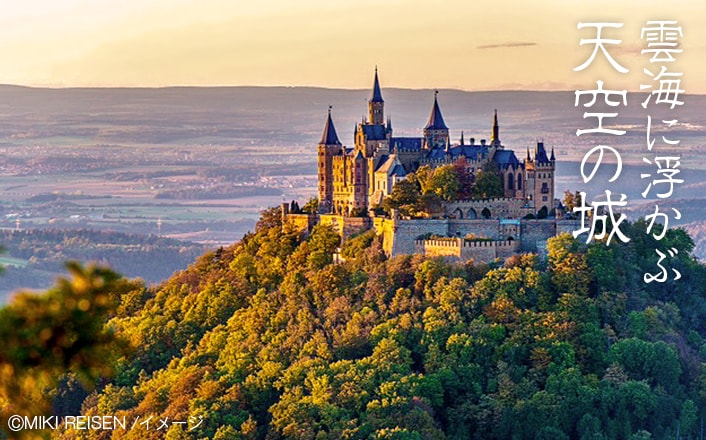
[(460, 44)]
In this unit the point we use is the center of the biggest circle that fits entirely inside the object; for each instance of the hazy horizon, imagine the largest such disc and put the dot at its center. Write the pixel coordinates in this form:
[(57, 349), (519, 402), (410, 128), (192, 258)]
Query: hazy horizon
[(478, 46)]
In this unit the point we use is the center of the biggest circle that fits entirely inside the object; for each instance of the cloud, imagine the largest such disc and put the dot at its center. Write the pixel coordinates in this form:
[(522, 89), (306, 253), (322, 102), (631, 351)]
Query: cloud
[(513, 44)]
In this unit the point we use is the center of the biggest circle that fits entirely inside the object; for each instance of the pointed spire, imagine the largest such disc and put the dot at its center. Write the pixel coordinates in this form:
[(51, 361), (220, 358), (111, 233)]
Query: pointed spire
[(540, 154), (436, 121), (552, 158), (495, 137), (377, 94), (528, 155), (329, 137), (462, 142), (389, 124)]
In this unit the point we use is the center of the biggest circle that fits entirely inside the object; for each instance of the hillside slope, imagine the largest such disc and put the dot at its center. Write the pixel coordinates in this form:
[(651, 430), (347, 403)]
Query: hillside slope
[(270, 339)]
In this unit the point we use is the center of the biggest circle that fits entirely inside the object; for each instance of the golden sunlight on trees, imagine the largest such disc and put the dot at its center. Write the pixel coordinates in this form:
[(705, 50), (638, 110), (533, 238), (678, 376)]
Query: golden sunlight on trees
[(270, 338), (44, 336)]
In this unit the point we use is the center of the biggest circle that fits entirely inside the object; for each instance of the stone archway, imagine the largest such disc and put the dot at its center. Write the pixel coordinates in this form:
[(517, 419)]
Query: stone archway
[(458, 213), (472, 214), (485, 213)]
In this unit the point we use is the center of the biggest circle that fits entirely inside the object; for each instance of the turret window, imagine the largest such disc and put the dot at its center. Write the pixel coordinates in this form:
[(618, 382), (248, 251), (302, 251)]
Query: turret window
[(545, 188)]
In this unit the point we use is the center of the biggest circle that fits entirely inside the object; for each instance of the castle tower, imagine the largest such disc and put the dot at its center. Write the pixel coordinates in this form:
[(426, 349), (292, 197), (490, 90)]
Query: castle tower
[(436, 133), (329, 146), (376, 105), (528, 192), (359, 183), (495, 137), (544, 168)]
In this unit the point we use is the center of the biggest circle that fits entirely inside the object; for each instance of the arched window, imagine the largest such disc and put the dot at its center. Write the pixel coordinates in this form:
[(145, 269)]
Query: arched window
[(458, 213), (510, 181), (519, 181), (485, 213), (472, 214)]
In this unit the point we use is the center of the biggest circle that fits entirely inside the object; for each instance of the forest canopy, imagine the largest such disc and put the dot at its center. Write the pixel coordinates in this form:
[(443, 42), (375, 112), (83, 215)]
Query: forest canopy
[(270, 338)]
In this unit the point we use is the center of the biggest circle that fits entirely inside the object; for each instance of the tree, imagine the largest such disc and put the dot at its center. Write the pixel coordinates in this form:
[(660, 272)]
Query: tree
[(488, 182), (405, 196), (466, 180), (444, 183), (567, 262), (311, 206), (571, 200), (44, 336), (270, 218)]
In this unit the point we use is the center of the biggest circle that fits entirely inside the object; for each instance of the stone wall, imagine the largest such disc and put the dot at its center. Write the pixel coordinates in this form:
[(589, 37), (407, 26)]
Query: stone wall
[(498, 208), (346, 226), (480, 228), (568, 226), (301, 222), (403, 233), (533, 232), (450, 248), (458, 249), (401, 236)]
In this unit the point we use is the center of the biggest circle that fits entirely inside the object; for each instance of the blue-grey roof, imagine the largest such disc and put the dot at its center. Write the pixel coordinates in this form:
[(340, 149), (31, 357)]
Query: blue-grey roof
[(329, 137), (398, 171), (377, 94), (436, 120), (506, 158), (406, 143), (374, 132), (382, 160), (540, 155), (436, 154), (471, 152)]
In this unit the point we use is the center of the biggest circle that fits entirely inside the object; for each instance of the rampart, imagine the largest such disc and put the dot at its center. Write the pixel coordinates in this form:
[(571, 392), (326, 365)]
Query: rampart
[(459, 249), (486, 209), (480, 239)]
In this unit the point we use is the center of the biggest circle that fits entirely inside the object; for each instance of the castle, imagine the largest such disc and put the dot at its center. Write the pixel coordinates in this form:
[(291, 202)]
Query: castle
[(353, 182)]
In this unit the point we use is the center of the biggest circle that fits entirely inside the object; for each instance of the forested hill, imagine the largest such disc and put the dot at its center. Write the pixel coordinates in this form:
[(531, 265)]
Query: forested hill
[(271, 339)]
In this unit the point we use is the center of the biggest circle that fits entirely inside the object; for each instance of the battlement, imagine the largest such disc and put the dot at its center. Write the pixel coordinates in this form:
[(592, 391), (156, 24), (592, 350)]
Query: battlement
[(465, 249), (487, 201)]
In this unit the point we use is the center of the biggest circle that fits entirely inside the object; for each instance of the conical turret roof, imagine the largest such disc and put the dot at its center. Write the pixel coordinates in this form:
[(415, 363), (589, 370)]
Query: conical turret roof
[(436, 120), (377, 94), (329, 137)]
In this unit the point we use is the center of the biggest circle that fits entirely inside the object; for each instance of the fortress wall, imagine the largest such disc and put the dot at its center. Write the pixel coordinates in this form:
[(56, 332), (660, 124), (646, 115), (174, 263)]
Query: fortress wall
[(479, 250), (534, 231), (489, 250), (385, 227), (481, 228), (449, 248), (301, 222), (457, 249), (568, 226), (403, 233), (498, 207), (346, 226)]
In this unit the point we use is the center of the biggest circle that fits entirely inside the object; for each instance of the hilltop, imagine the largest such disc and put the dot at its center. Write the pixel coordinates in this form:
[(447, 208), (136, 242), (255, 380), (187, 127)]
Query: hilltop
[(270, 338)]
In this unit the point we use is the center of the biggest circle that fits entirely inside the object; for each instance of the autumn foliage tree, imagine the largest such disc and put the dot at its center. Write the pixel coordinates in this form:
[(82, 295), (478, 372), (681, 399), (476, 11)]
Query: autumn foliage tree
[(44, 336)]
